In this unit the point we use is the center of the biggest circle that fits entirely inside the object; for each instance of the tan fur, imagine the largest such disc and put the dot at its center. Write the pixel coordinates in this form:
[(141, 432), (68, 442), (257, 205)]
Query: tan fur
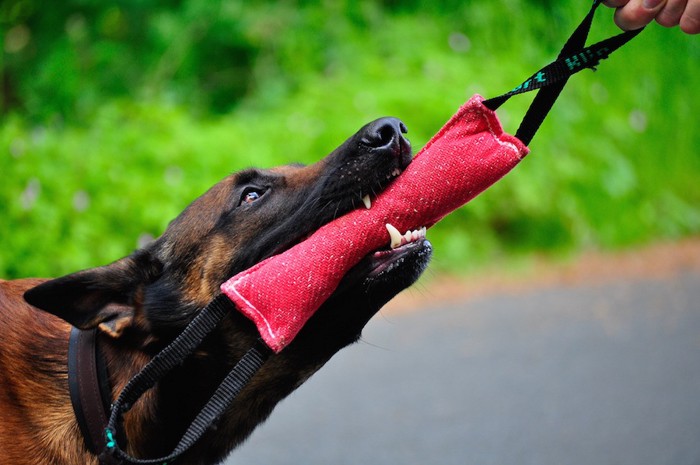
[(201, 281), (296, 177), (37, 424)]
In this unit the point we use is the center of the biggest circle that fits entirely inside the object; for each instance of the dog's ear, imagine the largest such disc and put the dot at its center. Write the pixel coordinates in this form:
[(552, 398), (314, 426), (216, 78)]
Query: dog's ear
[(105, 296)]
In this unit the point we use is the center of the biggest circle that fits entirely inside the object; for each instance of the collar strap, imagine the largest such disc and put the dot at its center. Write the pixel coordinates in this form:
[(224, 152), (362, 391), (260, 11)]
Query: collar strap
[(88, 385)]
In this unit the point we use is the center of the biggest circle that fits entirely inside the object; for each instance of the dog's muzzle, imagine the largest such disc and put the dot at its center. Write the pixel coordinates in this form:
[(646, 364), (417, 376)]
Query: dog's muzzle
[(470, 153)]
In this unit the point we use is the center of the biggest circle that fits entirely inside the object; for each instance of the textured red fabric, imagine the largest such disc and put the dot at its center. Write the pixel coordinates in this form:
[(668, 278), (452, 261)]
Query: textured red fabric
[(470, 153)]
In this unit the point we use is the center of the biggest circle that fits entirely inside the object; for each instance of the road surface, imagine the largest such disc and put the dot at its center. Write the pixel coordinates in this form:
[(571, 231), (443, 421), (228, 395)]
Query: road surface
[(593, 374)]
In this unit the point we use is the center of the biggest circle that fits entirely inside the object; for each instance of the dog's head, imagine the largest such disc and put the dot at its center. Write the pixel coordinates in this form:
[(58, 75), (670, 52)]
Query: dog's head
[(248, 216), (142, 301)]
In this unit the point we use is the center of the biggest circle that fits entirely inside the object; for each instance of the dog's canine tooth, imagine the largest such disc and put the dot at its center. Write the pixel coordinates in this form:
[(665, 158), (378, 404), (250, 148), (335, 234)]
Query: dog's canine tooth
[(395, 235), (367, 201), (398, 239)]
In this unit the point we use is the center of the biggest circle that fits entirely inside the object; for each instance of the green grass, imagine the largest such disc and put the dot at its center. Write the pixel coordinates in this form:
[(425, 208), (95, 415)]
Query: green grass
[(616, 163)]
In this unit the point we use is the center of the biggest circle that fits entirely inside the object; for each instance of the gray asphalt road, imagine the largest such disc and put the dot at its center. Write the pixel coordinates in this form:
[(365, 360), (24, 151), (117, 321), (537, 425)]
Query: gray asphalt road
[(593, 375)]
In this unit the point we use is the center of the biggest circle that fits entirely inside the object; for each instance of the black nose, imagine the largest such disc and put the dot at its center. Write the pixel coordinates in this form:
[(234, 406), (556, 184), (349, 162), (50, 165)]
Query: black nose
[(386, 133)]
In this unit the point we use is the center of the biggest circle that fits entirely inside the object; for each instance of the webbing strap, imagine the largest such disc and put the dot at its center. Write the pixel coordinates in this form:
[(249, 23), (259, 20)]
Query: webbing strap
[(169, 358), (551, 79), (84, 387)]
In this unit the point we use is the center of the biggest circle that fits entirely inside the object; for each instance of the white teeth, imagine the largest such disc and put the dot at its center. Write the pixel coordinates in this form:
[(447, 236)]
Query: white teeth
[(397, 239), (367, 201), (395, 236), (396, 172)]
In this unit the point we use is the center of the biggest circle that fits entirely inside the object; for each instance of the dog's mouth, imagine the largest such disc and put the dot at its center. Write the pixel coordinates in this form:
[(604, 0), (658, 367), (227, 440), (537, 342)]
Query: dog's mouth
[(355, 174), (406, 254), (367, 198), (388, 154), (400, 247), (391, 269)]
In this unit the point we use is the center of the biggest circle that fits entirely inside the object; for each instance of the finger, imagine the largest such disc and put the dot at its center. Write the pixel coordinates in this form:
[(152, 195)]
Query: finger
[(638, 13), (671, 14), (690, 21)]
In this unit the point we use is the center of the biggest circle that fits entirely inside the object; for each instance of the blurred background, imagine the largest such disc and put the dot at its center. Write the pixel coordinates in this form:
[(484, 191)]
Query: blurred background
[(115, 115)]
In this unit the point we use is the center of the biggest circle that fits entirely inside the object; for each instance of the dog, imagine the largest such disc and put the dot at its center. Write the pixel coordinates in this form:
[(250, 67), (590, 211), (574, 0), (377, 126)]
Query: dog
[(141, 302)]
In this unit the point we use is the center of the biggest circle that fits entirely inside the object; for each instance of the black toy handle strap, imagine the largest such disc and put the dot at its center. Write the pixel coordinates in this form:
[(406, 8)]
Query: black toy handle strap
[(170, 357), (551, 79)]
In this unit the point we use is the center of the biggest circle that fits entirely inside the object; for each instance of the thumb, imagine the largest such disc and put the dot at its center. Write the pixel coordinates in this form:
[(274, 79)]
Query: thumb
[(638, 13)]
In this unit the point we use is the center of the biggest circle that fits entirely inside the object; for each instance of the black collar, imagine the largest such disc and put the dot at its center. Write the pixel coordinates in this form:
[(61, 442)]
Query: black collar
[(88, 384)]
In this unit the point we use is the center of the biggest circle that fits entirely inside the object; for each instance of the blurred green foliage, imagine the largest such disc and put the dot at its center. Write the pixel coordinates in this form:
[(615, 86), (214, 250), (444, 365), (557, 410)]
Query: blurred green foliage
[(117, 114)]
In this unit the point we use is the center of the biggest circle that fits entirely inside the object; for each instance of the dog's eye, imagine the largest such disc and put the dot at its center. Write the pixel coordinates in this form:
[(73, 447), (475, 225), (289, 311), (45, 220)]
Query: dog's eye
[(250, 195)]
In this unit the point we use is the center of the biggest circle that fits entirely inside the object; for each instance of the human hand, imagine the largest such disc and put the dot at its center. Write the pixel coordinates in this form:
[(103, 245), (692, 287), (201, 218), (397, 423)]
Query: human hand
[(633, 14)]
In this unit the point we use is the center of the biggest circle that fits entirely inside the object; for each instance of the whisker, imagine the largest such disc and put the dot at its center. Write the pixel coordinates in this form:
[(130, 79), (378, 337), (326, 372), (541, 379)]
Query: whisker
[(376, 346)]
